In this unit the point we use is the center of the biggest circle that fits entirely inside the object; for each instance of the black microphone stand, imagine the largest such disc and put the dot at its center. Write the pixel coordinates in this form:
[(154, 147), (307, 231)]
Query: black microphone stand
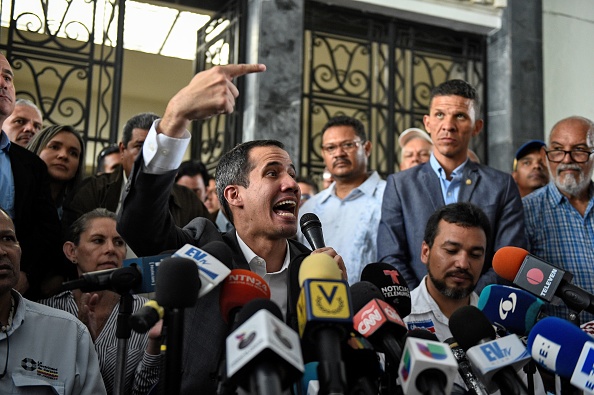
[(173, 327), (123, 331)]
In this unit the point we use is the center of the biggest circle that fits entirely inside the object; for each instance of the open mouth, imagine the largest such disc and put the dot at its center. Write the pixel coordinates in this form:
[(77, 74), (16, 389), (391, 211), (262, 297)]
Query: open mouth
[(285, 208)]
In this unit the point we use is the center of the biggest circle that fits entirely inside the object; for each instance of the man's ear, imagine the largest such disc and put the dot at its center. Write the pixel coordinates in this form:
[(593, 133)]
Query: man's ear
[(70, 251), (425, 253), (233, 196)]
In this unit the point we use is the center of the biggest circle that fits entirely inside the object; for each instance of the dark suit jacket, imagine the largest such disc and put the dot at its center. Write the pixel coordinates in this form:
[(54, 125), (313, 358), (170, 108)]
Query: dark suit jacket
[(149, 234), (36, 219), (411, 197), (104, 191)]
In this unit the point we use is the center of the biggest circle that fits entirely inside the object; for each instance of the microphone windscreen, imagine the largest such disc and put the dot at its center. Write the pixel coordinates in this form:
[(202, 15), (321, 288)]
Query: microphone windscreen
[(564, 343), (178, 283), (308, 220), (394, 287), (362, 293), (240, 287), (507, 261), (513, 308), (253, 306), (219, 250), (319, 267), (469, 326)]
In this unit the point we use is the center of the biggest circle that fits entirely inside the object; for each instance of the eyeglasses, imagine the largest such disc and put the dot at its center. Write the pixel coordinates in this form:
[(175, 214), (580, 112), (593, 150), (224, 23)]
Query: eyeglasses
[(346, 146), (578, 155)]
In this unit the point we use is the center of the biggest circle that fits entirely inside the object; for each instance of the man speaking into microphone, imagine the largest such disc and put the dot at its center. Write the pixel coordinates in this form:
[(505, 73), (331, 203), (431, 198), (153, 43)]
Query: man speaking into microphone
[(257, 189)]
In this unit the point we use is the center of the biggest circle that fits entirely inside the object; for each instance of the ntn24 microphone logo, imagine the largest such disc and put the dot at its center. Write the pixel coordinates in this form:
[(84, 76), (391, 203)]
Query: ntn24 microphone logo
[(248, 280)]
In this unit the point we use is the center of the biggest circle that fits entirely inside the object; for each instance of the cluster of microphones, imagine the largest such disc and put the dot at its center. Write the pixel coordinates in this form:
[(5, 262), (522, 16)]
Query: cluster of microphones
[(352, 339)]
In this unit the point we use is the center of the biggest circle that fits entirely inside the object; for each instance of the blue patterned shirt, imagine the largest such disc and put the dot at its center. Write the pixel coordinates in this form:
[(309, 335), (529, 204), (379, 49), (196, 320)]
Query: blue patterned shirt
[(349, 224), (557, 233)]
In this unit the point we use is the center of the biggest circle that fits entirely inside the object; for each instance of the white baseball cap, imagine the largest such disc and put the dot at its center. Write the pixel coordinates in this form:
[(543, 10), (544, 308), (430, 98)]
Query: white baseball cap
[(412, 133)]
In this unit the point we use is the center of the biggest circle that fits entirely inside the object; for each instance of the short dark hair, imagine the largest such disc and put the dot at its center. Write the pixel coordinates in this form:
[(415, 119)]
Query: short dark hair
[(79, 226), (344, 120), (463, 214), (457, 88), (308, 181), (109, 150), (143, 120), (192, 168), (234, 168)]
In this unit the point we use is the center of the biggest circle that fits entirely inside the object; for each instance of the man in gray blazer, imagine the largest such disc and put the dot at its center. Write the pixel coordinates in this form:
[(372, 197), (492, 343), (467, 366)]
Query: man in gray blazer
[(413, 195)]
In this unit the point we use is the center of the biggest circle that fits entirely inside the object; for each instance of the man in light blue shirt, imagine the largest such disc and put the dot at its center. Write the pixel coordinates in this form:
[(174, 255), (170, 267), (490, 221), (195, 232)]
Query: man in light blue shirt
[(349, 209)]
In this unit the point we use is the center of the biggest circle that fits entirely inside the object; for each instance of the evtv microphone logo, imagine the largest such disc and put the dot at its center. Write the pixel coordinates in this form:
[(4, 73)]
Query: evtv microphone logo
[(493, 351)]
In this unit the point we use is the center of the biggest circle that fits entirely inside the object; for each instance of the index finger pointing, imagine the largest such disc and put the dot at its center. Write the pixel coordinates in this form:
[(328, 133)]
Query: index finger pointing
[(237, 70)]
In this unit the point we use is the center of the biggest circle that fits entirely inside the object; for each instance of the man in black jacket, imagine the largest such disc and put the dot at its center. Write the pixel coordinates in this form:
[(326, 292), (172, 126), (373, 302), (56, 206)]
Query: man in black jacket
[(258, 192), (25, 195)]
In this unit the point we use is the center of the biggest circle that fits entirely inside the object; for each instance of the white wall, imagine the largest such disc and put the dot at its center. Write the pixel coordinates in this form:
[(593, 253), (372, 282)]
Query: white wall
[(568, 57)]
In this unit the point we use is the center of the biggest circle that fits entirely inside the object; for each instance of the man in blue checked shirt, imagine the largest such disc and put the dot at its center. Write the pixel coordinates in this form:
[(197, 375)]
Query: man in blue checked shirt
[(559, 217)]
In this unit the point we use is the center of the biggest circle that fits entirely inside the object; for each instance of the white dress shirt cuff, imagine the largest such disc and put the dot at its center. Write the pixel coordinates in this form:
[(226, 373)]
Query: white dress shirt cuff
[(162, 153)]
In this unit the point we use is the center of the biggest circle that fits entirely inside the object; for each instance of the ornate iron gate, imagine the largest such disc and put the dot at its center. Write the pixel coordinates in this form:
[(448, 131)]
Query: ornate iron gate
[(379, 70), (60, 74)]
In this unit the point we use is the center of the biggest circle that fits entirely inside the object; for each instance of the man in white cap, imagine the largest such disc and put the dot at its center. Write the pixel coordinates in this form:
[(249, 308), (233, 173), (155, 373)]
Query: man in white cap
[(416, 146)]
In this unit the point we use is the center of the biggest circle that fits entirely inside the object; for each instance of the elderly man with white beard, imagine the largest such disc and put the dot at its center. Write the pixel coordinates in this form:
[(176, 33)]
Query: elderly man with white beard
[(559, 216)]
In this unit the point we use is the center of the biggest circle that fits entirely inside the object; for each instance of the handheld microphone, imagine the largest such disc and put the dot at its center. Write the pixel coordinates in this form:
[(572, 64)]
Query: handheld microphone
[(177, 287), (515, 309), (240, 287), (377, 320), (561, 347), (212, 260), (146, 317), (495, 361), (212, 271), (120, 280), (465, 370), (427, 366), (391, 283), (263, 353), (541, 278), (311, 227), (324, 316)]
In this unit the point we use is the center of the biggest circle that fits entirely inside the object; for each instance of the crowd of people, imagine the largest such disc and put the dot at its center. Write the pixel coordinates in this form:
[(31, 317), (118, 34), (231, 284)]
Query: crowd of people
[(438, 221)]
